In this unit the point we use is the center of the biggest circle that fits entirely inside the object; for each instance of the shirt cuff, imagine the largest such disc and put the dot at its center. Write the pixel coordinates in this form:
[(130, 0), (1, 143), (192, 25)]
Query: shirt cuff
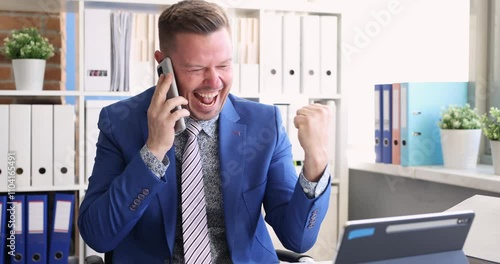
[(154, 164), (314, 189)]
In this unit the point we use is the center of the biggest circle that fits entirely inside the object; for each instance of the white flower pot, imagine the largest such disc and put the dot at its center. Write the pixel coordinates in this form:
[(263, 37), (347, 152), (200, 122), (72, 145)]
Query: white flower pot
[(495, 155), (29, 74), (460, 147)]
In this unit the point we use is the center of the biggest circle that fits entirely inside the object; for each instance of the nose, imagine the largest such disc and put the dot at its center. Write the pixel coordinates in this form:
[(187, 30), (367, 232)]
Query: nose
[(212, 78)]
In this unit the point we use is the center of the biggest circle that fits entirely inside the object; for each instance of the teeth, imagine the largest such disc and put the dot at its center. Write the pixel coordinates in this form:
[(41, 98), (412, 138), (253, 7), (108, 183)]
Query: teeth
[(208, 95)]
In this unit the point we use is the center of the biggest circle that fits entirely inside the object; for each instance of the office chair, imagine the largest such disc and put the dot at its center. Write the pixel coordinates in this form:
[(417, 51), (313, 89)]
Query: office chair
[(283, 255)]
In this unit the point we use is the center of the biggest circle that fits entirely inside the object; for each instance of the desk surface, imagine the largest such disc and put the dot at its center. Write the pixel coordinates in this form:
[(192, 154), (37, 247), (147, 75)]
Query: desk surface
[(471, 261)]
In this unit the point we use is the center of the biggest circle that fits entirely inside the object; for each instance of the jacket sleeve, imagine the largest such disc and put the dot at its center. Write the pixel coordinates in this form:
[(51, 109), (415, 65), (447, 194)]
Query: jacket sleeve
[(118, 193), (295, 218)]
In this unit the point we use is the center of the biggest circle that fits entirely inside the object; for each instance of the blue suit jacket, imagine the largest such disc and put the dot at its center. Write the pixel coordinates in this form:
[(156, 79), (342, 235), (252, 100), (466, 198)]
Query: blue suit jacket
[(128, 210)]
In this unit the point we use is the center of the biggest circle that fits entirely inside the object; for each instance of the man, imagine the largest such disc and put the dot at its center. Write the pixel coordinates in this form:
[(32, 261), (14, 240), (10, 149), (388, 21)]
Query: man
[(135, 204)]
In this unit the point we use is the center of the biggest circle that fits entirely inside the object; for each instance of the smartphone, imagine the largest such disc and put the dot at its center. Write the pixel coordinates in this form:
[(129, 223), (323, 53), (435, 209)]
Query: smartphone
[(165, 67)]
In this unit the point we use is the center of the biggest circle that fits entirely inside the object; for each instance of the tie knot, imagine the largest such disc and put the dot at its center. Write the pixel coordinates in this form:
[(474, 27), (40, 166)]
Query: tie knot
[(193, 129)]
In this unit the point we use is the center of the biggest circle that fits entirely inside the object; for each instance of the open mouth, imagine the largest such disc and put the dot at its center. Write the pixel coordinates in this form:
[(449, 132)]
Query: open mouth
[(207, 99)]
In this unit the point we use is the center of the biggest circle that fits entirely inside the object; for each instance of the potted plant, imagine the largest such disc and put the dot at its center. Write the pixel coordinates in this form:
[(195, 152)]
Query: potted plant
[(491, 129), (29, 52), (460, 130)]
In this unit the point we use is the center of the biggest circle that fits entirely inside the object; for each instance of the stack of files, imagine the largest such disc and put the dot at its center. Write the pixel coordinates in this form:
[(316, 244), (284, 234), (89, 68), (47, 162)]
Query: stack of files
[(421, 105), (42, 139), (118, 50), (36, 239), (61, 228), (299, 54), (121, 31), (248, 46), (92, 110), (144, 42)]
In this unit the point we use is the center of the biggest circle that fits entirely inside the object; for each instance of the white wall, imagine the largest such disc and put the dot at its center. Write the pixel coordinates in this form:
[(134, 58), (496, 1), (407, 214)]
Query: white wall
[(385, 41)]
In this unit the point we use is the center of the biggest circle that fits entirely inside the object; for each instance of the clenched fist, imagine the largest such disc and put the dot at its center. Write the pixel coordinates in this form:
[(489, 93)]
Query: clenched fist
[(312, 122)]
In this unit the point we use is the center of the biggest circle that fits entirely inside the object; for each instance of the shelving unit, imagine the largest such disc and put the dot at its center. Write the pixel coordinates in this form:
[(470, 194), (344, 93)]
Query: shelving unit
[(255, 7), (480, 178)]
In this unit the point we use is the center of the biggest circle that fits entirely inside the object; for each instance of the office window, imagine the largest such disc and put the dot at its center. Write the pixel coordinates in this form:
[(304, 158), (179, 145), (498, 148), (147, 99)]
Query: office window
[(485, 60), (494, 98)]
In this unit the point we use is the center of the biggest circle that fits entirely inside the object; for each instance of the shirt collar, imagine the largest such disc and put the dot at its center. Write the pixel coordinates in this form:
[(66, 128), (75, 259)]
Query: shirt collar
[(208, 126)]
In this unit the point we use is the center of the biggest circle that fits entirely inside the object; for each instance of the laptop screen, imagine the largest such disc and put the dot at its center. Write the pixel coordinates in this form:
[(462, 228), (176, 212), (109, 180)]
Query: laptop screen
[(403, 237)]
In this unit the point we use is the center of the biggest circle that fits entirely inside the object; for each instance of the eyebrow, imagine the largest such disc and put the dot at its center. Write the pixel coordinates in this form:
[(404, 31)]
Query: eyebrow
[(188, 65)]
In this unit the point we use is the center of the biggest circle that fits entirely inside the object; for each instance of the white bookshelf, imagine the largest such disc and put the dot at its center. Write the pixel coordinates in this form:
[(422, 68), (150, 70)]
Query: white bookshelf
[(337, 211), (16, 93)]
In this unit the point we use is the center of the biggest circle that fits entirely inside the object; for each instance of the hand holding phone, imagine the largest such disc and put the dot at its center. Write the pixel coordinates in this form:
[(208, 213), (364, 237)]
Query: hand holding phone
[(165, 67)]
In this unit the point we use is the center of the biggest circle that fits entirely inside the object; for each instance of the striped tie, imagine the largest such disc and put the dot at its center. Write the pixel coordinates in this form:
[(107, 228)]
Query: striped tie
[(194, 215)]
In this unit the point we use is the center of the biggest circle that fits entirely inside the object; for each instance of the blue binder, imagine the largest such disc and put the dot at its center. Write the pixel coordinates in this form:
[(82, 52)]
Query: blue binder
[(387, 123), (421, 106), (36, 240), (378, 103), (3, 224), (61, 227), (18, 256)]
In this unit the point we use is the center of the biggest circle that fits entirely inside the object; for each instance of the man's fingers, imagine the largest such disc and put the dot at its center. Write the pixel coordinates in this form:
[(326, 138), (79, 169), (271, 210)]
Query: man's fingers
[(311, 113), (160, 95), (172, 103), (179, 114)]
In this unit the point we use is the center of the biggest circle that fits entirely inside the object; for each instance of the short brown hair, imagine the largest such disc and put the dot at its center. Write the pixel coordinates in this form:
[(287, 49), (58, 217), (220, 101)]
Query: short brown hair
[(190, 16)]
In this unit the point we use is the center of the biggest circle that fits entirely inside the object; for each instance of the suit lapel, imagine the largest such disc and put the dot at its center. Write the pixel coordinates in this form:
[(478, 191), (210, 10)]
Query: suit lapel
[(168, 201), (231, 136)]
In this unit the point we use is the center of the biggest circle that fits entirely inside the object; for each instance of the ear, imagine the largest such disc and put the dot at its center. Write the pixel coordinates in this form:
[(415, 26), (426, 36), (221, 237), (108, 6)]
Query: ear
[(159, 56)]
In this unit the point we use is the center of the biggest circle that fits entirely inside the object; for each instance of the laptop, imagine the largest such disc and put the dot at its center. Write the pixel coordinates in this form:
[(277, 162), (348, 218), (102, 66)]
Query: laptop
[(423, 238)]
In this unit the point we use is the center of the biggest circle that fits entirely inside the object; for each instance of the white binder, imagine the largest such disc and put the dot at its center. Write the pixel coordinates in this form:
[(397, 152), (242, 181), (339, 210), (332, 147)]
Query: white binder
[(64, 145), (97, 49), (309, 55), (249, 80), (328, 58), (4, 146), (271, 59), (235, 88), (291, 54), (284, 109), (20, 142), (41, 145), (92, 110)]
